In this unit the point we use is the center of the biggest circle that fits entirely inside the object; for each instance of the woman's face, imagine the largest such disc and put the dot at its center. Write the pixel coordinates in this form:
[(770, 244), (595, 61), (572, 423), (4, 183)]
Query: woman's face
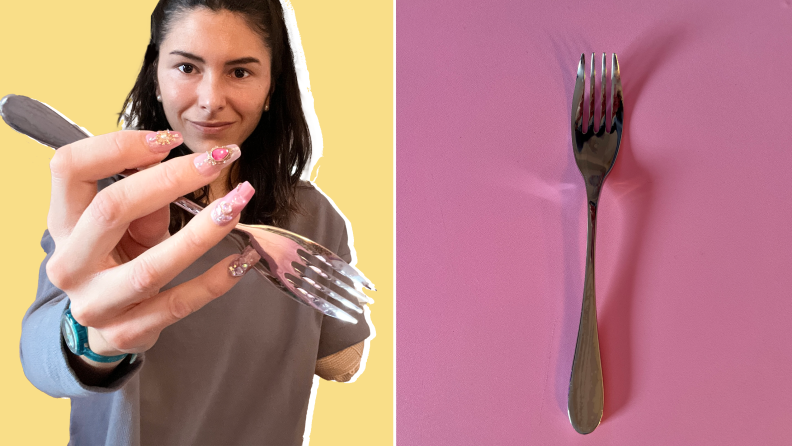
[(214, 78)]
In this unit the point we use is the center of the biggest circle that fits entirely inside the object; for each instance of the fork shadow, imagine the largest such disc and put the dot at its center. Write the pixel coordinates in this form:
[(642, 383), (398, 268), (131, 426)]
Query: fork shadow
[(634, 195), (632, 190)]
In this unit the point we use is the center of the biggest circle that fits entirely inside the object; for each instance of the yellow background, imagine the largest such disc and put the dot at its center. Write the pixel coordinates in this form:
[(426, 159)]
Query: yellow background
[(82, 57)]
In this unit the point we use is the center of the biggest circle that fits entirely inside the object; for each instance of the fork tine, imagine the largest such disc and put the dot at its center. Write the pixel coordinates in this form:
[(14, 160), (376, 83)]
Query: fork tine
[(339, 280), (318, 299), (591, 96), (577, 97), (332, 281), (616, 92), (602, 97), (350, 271), (326, 256), (326, 286), (340, 269)]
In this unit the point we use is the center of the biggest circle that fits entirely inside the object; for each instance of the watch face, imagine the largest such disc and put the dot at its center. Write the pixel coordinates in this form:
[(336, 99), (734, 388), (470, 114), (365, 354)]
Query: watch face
[(68, 335)]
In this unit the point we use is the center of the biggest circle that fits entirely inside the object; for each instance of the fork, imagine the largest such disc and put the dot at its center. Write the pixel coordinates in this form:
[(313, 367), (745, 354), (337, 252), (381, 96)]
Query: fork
[(302, 269), (595, 154)]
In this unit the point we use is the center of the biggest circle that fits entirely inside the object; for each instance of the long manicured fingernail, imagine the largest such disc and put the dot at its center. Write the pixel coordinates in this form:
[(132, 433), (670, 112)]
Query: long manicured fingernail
[(232, 204), (163, 141), (216, 159), (240, 265)]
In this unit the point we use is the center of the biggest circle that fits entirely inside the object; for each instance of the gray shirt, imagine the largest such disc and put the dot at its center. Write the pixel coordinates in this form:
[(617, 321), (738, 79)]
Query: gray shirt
[(237, 372)]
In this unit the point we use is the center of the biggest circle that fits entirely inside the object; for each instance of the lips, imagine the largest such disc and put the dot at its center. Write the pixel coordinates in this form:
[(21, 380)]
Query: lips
[(211, 127)]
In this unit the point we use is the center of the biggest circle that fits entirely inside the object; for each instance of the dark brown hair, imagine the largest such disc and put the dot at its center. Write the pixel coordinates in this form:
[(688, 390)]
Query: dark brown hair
[(275, 154)]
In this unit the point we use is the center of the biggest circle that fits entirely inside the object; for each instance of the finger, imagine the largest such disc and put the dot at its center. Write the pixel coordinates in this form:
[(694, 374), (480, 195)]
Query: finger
[(145, 232), (141, 278), (137, 329), (78, 166), (105, 221)]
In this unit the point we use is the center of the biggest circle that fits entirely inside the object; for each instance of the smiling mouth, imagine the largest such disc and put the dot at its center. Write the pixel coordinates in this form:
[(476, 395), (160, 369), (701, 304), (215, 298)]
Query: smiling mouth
[(210, 127)]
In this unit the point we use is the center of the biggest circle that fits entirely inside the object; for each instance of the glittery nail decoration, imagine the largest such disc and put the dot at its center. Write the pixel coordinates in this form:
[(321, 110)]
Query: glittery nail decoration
[(163, 141), (165, 138), (220, 154), (232, 204), (162, 138), (223, 212), (216, 158), (243, 262)]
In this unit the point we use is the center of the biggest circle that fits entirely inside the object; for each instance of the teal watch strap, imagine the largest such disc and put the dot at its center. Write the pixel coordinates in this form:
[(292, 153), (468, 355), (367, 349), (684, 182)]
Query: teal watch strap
[(88, 353), (76, 337)]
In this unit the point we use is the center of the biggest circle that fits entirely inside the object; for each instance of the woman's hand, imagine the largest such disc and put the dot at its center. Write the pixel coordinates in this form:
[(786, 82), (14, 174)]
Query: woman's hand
[(113, 251)]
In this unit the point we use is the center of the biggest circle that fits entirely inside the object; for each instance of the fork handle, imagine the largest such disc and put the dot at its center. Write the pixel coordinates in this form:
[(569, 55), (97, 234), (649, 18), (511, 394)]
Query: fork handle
[(586, 393), (187, 205)]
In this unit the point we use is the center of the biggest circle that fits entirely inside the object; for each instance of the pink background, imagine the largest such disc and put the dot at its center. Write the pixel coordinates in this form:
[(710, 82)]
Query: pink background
[(694, 243)]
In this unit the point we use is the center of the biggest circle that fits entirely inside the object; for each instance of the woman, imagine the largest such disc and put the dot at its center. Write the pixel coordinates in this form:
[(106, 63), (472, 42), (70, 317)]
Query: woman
[(220, 76)]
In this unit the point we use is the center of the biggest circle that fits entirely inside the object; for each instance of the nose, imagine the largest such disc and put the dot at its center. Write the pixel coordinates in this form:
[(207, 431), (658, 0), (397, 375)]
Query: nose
[(211, 94)]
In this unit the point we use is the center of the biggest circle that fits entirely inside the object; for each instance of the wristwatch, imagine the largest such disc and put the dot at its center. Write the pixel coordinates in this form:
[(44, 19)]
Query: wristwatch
[(76, 337)]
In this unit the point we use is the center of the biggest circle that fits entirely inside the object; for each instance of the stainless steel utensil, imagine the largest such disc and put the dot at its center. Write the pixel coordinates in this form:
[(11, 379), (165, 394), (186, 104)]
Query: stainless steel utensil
[(302, 269), (595, 154)]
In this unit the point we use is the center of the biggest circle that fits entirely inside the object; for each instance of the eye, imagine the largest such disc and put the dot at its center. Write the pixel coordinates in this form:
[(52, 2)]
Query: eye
[(241, 73), (186, 68)]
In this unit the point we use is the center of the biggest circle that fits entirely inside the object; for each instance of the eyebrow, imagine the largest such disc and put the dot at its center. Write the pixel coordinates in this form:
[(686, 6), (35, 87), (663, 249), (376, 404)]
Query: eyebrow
[(240, 61)]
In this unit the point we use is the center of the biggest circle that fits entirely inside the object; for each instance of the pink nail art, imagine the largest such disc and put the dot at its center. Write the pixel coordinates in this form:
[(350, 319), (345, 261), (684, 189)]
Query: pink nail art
[(217, 158), (243, 262), (163, 141), (232, 204)]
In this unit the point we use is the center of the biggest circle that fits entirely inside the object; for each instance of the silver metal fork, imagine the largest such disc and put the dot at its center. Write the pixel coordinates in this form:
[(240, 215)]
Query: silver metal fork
[(595, 154), (302, 269)]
